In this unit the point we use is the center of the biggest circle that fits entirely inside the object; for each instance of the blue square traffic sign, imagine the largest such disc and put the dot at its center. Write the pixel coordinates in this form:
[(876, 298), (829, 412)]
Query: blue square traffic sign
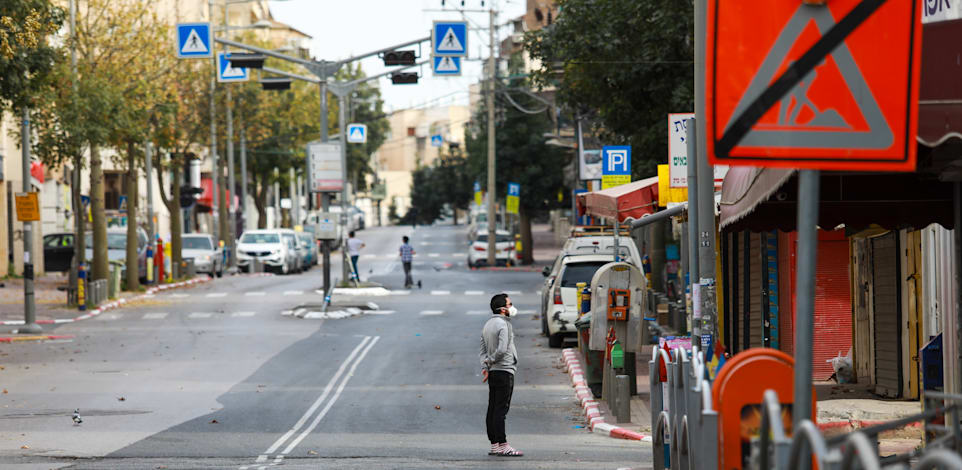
[(226, 73), (194, 40), (616, 160), (514, 189), (449, 38), (446, 65)]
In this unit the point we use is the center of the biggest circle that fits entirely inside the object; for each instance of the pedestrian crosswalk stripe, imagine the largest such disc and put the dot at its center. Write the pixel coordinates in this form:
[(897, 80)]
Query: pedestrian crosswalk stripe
[(243, 314), (111, 316), (368, 256), (200, 315), (293, 292), (400, 292), (217, 294), (525, 312), (155, 316), (432, 312), (179, 296), (473, 292), (476, 312), (434, 255), (255, 294), (512, 292), (440, 292)]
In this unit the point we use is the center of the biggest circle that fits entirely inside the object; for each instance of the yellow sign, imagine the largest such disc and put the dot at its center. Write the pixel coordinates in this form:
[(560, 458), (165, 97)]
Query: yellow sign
[(512, 204), (667, 194), (477, 197), (610, 181), (28, 207)]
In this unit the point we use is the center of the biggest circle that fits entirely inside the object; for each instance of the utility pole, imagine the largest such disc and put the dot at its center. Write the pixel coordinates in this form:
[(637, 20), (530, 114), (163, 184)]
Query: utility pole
[(80, 213), (30, 325), (292, 194), (694, 311), (231, 236), (149, 150), (492, 70), (213, 133), (243, 165), (325, 197), (277, 198)]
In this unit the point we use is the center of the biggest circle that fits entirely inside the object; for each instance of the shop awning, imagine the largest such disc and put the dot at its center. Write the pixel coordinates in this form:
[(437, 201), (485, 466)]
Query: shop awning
[(628, 201), (759, 199)]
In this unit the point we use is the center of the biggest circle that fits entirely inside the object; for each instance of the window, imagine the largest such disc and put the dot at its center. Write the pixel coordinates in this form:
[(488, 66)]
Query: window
[(115, 240), (498, 238), (51, 241), (580, 272), (196, 243), (412, 131), (260, 238), (66, 240)]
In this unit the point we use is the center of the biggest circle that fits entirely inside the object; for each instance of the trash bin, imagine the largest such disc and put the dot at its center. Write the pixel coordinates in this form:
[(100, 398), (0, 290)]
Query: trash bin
[(113, 285), (593, 360), (187, 268)]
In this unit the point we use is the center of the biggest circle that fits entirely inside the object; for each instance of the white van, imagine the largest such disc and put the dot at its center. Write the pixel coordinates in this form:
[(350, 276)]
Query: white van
[(269, 247)]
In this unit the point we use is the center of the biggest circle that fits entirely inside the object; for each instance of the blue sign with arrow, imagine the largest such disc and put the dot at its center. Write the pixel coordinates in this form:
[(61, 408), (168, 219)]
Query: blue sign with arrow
[(437, 140), (449, 38), (446, 65), (194, 41), (227, 73)]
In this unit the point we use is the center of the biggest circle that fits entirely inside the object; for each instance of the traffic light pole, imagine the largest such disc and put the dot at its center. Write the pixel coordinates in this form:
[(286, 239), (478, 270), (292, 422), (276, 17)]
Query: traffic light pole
[(492, 70), (30, 325), (213, 132)]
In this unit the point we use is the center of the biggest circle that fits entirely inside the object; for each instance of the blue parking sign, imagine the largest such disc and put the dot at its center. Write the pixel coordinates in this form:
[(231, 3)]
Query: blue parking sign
[(615, 165)]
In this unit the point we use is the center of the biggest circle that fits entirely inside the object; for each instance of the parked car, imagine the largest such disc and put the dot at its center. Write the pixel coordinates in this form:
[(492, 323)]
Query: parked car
[(290, 237), (559, 317), (268, 247), (583, 245), (57, 251), (207, 255), (309, 248), (504, 246), (117, 249), (357, 218), (479, 224)]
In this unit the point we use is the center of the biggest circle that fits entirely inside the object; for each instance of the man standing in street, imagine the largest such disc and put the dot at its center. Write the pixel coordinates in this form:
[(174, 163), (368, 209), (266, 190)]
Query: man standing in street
[(354, 247), (499, 362), (407, 256)]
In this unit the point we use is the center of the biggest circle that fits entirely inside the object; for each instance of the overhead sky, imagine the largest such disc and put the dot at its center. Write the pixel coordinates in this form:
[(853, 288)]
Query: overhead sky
[(344, 28)]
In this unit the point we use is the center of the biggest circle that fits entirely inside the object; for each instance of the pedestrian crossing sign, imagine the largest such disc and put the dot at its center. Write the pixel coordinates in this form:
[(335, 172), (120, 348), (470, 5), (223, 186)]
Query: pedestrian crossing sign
[(228, 73), (448, 66), (356, 133), (194, 41), (449, 38)]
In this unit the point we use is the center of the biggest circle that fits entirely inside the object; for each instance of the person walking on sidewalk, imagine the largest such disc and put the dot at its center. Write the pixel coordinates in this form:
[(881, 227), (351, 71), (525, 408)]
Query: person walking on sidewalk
[(354, 246), (407, 256), (499, 362)]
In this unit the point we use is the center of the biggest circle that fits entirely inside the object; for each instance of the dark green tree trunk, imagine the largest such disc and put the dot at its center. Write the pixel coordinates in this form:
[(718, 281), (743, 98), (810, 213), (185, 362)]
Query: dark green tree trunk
[(133, 263), (527, 245)]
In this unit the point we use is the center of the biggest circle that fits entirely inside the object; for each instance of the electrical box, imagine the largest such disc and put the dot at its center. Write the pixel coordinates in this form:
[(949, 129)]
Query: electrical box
[(617, 301), (326, 228)]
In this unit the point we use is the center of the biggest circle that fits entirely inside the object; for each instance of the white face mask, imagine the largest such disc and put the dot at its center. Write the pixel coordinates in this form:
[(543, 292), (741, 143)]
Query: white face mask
[(512, 311)]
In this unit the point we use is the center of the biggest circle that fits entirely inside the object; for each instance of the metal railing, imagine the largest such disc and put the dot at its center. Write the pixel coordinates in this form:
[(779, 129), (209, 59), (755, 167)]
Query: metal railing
[(684, 418)]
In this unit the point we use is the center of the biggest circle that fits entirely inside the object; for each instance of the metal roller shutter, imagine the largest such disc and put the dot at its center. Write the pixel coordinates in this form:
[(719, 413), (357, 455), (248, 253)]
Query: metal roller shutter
[(833, 306), (755, 300), (886, 303)]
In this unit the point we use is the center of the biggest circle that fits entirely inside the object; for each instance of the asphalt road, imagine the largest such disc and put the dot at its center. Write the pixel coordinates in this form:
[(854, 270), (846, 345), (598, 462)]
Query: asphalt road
[(218, 376)]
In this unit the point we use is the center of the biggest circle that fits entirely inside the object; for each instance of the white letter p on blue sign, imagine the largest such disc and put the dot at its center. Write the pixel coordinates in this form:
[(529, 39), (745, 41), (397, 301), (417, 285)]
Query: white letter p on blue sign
[(617, 160)]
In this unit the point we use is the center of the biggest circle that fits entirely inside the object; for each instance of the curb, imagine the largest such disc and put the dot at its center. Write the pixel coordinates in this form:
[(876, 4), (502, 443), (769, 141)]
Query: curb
[(526, 269), (18, 339), (855, 424), (596, 422), (112, 305)]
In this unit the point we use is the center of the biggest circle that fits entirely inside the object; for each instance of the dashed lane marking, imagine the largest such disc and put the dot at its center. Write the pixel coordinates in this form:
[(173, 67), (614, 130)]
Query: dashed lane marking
[(243, 314), (400, 292), (179, 296), (432, 312), (217, 294), (434, 255), (111, 316), (155, 316), (197, 315), (293, 292), (440, 292), (473, 292), (476, 312), (255, 294), (512, 292)]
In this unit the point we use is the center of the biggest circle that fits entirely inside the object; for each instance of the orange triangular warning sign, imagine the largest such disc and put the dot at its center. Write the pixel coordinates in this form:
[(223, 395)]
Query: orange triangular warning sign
[(831, 107)]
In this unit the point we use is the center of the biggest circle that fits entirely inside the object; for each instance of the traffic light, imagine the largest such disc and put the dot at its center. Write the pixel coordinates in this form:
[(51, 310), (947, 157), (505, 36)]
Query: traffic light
[(399, 58), (275, 83), (188, 195), (247, 60), (404, 78)]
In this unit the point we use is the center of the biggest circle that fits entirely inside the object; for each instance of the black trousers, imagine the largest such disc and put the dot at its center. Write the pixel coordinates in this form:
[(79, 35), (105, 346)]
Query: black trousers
[(408, 281), (500, 387)]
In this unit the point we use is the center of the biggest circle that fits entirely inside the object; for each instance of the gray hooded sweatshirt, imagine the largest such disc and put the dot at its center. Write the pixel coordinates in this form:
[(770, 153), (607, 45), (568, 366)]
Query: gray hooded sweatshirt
[(497, 345)]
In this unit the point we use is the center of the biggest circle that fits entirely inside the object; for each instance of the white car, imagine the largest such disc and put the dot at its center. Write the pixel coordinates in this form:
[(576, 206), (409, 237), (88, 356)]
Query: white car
[(504, 249), (208, 257), (584, 245), (269, 247), (562, 311)]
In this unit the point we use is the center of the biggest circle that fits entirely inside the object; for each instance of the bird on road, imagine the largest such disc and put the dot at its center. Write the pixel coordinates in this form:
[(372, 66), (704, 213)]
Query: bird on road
[(76, 417)]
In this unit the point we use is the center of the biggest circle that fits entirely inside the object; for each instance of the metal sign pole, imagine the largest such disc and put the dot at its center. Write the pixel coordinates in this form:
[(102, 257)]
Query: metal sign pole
[(29, 306), (808, 196), (693, 272)]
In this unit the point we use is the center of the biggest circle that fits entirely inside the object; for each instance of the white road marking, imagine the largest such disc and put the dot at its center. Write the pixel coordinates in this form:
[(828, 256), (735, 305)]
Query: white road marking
[(440, 292), (179, 296), (255, 294), (200, 315), (476, 312), (434, 255), (217, 294), (333, 399), (400, 292), (112, 316), (432, 312), (368, 256), (155, 316), (379, 312), (425, 244), (512, 292), (525, 312), (474, 292), (243, 314), (293, 292)]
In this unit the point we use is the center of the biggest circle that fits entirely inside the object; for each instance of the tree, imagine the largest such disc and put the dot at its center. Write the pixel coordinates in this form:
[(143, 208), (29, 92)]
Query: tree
[(631, 61), (522, 155), (26, 57), (366, 107)]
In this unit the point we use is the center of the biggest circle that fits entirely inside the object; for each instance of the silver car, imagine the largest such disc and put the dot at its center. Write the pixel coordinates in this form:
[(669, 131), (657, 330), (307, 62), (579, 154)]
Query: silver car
[(208, 256)]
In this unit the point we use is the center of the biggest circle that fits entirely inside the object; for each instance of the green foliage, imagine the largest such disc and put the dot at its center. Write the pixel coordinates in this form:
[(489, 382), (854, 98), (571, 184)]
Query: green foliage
[(630, 61), (26, 55), (366, 107), (447, 182)]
